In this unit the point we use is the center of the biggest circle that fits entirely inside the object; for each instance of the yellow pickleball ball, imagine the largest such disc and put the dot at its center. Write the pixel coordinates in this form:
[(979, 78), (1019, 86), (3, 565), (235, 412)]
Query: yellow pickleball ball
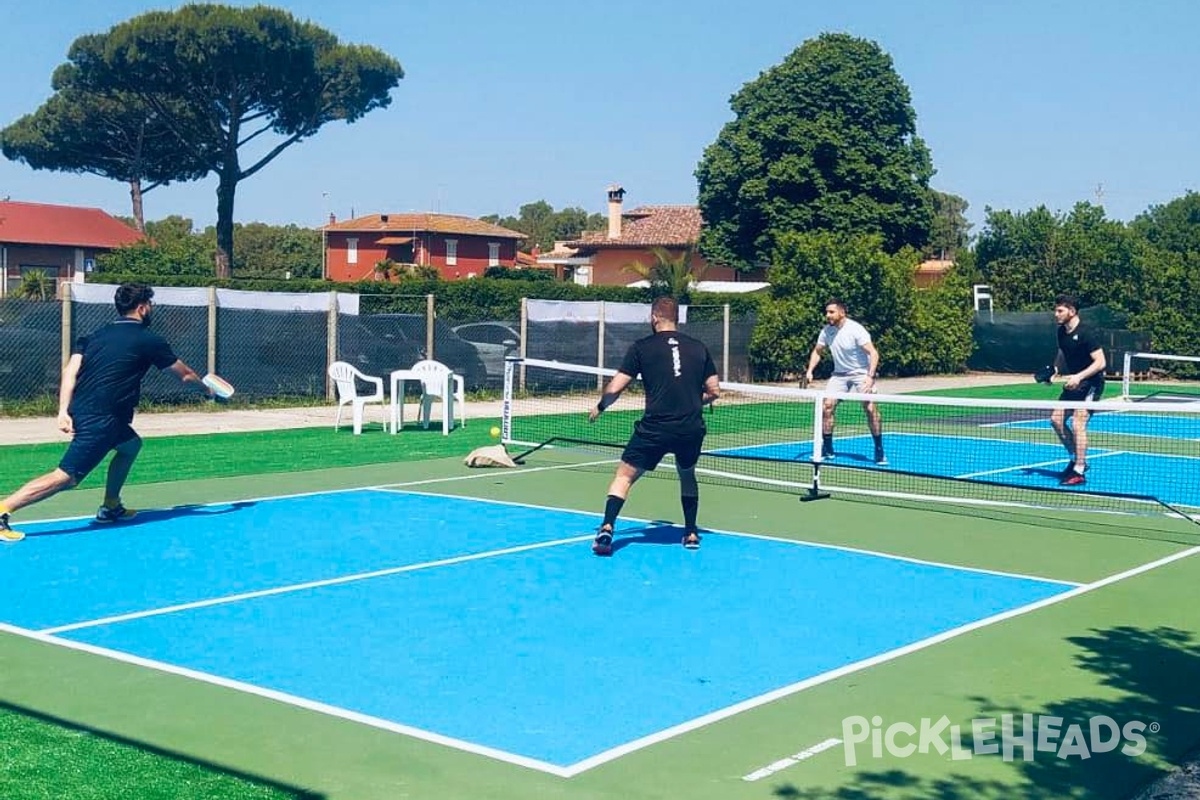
[(495, 432)]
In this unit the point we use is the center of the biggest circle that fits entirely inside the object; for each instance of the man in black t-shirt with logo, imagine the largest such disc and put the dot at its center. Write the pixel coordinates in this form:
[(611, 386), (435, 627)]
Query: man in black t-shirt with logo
[(680, 379), (1081, 359), (101, 385)]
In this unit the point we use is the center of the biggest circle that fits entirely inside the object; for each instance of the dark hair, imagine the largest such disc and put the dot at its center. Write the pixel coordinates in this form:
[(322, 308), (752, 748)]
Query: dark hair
[(833, 301), (131, 295), (1067, 300), (666, 308)]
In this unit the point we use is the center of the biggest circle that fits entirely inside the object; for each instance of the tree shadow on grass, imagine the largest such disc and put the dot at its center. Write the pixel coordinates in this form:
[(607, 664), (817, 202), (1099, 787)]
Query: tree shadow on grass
[(1151, 676), (93, 759)]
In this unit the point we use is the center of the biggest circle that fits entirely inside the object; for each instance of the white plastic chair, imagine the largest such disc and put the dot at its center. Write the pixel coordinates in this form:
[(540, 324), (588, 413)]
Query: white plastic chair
[(435, 383), (346, 378)]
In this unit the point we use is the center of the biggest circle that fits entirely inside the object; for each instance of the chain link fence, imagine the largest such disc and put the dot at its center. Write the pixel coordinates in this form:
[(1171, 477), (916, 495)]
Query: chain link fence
[(274, 345)]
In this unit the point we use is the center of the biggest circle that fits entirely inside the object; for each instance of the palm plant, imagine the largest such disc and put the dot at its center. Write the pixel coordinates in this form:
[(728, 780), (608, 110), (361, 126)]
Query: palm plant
[(35, 285), (669, 273)]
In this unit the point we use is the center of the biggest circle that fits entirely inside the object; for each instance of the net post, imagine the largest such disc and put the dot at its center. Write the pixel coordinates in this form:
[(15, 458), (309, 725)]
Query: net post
[(814, 491), (1126, 379), (510, 364)]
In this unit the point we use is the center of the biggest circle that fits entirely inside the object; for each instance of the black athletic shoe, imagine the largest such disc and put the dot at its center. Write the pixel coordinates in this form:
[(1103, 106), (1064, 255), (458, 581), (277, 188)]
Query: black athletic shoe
[(880, 458), (691, 540), (1066, 473), (602, 545)]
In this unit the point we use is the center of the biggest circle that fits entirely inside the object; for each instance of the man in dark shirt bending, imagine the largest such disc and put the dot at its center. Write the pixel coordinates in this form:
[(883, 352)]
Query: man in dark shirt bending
[(101, 385), (1081, 359), (680, 379)]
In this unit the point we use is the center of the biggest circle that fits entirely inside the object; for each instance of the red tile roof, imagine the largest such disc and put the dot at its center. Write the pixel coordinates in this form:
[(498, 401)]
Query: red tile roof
[(648, 226), (421, 223), (64, 226)]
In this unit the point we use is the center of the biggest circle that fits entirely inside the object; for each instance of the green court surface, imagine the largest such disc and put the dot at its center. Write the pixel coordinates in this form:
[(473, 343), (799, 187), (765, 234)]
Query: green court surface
[(1125, 645)]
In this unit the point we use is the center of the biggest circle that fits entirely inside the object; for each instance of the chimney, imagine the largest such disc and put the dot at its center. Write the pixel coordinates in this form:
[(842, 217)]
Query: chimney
[(383, 218), (332, 218), (615, 194)]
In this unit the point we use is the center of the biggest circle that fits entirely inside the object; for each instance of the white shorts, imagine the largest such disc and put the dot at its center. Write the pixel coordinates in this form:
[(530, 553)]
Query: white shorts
[(846, 384)]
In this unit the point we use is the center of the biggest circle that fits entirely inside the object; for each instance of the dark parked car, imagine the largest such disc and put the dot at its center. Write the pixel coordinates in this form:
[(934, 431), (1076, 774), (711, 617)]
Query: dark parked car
[(495, 342), (380, 343), (29, 362)]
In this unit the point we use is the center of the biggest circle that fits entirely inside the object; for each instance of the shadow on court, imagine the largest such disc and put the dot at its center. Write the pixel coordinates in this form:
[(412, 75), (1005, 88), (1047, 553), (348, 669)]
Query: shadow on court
[(1150, 675), (127, 767), (657, 532), (144, 517)]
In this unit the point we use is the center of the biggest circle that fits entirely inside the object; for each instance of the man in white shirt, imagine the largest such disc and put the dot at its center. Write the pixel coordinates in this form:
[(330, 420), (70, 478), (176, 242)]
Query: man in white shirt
[(855, 362)]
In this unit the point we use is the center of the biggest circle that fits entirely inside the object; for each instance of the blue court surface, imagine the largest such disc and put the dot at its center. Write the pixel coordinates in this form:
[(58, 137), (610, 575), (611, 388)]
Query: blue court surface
[(1172, 479), (487, 623), (1163, 426)]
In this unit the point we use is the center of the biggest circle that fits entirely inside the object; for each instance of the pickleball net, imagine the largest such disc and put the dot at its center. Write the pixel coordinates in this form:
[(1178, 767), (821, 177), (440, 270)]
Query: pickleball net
[(1160, 377), (1142, 459)]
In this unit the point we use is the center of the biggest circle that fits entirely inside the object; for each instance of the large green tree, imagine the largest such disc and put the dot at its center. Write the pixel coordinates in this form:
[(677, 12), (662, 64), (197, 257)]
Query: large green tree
[(824, 141), (917, 331), (1030, 257), (115, 136), (248, 76), (1173, 226)]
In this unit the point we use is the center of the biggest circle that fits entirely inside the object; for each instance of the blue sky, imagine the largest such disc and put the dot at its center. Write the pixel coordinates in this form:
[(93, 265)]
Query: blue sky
[(1021, 102)]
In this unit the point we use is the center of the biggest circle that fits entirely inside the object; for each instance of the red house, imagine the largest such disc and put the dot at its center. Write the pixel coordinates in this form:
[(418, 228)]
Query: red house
[(459, 247), (61, 241)]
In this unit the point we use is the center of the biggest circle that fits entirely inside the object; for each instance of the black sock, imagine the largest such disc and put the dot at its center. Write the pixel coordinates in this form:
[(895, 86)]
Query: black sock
[(827, 442), (612, 507), (878, 437), (690, 506)]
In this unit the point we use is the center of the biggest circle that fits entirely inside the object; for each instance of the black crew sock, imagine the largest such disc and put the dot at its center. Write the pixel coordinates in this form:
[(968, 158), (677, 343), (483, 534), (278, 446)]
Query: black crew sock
[(878, 437), (827, 442), (690, 506), (612, 507)]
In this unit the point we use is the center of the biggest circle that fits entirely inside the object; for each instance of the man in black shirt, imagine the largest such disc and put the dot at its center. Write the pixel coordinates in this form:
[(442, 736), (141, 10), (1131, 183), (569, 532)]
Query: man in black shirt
[(680, 379), (1082, 360), (100, 388)]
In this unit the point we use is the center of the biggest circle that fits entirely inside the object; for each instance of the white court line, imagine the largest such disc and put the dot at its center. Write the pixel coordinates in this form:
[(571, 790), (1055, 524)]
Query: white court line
[(629, 747), (290, 699), (299, 587), (858, 666), (1093, 456), (780, 539), (315, 492)]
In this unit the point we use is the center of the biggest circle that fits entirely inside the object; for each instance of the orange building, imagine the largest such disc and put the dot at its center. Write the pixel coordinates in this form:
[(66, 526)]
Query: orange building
[(458, 247)]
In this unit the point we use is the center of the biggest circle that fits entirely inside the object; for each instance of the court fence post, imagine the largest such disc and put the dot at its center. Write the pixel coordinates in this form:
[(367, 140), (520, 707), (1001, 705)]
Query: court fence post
[(600, 349), (211, 354), (725, 345), (429, 315), (65, 293), (331, 347), (524, 338)]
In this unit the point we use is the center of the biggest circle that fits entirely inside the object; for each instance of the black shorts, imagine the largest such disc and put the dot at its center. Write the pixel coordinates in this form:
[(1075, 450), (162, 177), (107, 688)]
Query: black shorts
[(94, 437), (1087, 392), (647, 448)]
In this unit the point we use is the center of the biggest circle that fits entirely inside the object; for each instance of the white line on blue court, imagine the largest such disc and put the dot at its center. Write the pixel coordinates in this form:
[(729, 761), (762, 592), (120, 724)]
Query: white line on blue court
[(315, 492), (1001, 470), (613, 753), (781, 539), (299, 587), (763, 699), (290, 699)]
